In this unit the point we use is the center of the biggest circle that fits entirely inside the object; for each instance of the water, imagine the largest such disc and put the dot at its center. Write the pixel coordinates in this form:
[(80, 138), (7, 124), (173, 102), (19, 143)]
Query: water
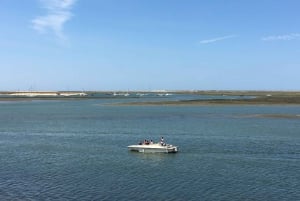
[(77, 150)]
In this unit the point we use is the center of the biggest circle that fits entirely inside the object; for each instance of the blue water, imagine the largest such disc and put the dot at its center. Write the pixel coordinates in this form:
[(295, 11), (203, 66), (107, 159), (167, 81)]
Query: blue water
[(77, 150)]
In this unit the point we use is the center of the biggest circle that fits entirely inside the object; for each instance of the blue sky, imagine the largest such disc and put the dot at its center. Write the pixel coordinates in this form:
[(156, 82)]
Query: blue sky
[(149, 45)]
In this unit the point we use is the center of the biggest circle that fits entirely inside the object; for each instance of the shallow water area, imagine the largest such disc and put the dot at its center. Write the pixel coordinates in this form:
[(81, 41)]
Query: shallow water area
[(77, 150)]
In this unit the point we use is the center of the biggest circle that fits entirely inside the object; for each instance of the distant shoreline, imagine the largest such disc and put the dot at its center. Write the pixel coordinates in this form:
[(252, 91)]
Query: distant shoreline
[(259, 97)]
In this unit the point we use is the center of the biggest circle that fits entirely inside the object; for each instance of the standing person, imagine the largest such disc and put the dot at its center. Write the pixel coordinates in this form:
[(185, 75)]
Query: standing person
[(162, 141)]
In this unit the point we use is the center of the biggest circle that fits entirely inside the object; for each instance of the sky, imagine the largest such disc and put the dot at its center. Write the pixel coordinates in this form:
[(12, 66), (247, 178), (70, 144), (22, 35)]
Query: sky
[(149, 45)]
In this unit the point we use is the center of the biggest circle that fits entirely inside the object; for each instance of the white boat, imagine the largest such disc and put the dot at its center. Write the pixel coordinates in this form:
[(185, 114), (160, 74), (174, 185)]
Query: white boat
[(153, 148)]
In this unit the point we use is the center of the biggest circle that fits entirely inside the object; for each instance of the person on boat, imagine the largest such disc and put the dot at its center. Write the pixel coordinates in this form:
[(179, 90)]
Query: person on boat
[(162, 141), (151, 142)]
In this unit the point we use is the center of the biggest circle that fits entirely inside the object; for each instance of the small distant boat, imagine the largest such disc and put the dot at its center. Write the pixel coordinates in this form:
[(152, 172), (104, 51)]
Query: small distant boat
[(164, 94), (153, 148), (121, 94)]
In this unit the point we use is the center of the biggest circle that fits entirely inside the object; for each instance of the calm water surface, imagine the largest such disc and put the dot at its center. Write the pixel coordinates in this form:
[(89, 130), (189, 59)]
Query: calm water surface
[(77, 150)]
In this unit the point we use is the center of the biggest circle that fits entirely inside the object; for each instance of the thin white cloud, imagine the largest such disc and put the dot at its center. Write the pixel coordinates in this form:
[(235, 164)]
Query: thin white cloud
[(58, 13), (292, 36), (213, 40)]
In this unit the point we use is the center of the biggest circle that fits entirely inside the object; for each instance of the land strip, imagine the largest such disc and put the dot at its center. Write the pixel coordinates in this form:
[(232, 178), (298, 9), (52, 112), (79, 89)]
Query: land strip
[(244, 97)]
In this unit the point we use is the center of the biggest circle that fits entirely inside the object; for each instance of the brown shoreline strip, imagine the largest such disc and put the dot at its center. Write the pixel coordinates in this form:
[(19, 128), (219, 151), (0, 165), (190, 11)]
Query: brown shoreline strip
[(252, 101)]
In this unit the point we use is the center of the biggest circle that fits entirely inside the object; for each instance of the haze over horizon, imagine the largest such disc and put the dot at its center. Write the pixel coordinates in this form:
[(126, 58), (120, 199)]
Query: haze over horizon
[(149, 45)]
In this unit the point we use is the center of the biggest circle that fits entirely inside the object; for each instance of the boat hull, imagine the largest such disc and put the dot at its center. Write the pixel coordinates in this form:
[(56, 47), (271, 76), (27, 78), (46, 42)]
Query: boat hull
[(156, 148)]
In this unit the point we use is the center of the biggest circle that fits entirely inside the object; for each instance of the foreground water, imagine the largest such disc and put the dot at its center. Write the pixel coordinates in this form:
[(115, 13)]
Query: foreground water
[(77, 150)]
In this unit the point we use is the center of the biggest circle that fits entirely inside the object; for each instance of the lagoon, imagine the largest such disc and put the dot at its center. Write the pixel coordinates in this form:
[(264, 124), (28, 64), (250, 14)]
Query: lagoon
[(77, 150)]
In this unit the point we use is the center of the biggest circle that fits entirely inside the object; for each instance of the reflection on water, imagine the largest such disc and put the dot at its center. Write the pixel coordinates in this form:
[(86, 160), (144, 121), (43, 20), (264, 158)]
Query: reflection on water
[(153, 158)]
